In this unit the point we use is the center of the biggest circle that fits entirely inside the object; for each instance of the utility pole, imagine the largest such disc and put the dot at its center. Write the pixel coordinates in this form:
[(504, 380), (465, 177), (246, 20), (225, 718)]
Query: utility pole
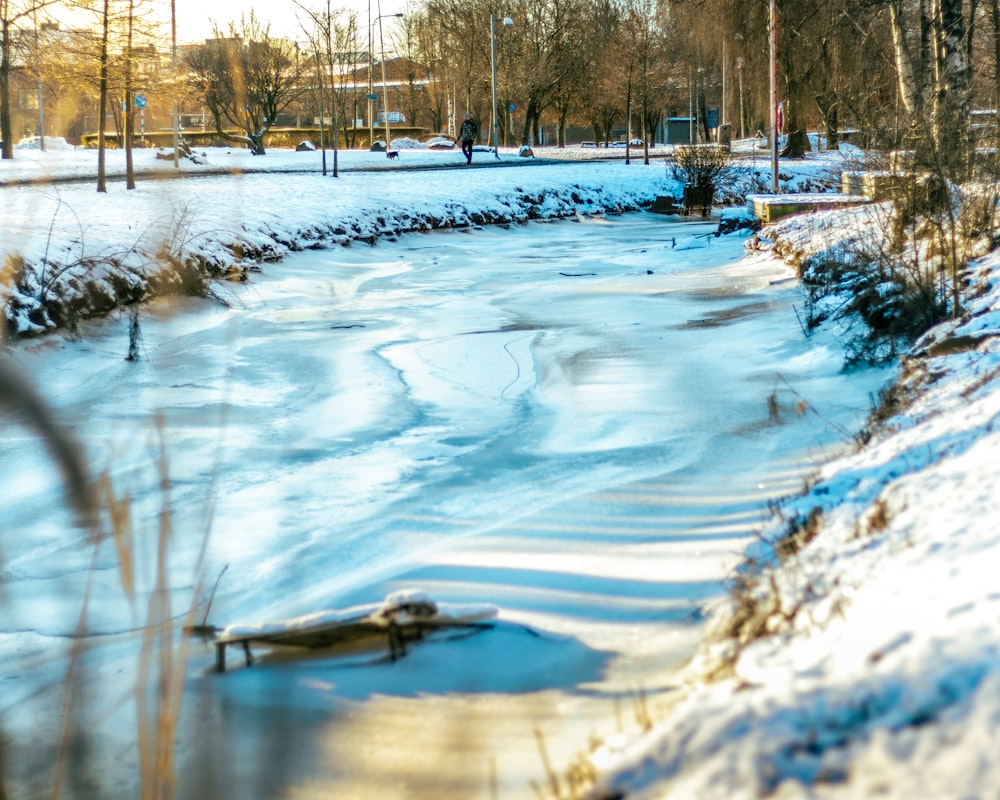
[(173, 66), (774, 95)]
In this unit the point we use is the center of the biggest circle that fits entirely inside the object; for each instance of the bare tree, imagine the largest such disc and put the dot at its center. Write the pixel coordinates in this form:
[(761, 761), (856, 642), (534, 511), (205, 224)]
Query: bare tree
[(417, 76), (601, 98), (245, 79), (935, 78), (333, 39), (539, 51), (455, 35), (12, 15)]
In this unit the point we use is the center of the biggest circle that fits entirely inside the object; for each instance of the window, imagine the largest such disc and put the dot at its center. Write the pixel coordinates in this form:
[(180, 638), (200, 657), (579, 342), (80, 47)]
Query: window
[(27, 100)]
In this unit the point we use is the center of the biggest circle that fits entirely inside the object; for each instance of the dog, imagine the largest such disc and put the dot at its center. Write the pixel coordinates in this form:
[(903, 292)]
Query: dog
[(390, 154)]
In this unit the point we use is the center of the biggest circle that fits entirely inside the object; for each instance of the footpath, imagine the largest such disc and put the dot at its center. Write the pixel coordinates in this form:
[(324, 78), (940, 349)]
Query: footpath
[(31, 167)]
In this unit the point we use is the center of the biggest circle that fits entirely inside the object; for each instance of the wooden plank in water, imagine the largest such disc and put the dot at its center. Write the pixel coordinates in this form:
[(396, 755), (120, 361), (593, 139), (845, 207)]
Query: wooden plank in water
[(403, 616)]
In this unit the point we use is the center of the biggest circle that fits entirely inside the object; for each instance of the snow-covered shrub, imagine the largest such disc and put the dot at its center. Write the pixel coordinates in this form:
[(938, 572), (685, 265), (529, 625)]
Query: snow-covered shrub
[(900, 270), (699, 164), (52, 143)]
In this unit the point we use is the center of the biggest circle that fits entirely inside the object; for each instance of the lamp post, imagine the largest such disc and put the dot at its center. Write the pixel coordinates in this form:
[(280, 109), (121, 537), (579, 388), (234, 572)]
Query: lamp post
[(334, 119), (698, 110), (371, 131), (690, 105), (175, 119), (725, 99), (739, 67), (378, 21), (38, 89), (774, 95), (493, 63), (371, 95)]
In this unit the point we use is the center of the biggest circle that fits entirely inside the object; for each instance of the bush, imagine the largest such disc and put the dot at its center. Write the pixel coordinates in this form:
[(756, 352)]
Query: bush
[(699, 165)]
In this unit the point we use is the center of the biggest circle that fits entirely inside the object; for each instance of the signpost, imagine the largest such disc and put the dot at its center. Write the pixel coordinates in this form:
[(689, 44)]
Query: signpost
[(141, 102)]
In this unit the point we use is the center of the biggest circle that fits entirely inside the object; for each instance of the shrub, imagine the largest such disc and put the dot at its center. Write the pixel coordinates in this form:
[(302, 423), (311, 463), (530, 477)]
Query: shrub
[(699, 164)]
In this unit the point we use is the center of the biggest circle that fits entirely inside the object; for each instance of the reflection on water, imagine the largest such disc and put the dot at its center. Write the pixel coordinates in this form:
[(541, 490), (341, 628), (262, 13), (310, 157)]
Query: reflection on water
[(725, 315)]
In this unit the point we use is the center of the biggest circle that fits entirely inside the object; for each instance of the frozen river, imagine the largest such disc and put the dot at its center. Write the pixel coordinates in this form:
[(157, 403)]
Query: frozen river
[(570, 421)]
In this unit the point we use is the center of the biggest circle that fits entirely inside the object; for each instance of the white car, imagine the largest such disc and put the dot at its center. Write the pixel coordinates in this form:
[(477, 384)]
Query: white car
[(439, 143)]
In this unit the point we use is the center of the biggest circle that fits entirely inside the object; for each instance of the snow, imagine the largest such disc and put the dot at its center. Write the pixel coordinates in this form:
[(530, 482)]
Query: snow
[(878, 673)]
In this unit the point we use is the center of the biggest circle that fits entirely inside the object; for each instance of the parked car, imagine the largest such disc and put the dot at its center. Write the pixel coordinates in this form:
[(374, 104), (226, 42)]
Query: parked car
[(440, 143)]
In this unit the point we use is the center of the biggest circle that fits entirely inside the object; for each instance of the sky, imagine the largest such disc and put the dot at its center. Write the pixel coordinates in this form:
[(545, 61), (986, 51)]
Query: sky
[(497, 414), (194, 23)]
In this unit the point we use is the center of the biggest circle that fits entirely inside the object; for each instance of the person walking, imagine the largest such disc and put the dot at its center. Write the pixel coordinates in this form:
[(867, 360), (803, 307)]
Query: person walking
[(468, 133)]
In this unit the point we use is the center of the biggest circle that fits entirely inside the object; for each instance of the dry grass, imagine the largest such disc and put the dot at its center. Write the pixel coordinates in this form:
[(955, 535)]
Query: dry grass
[(18, 396), (163, 655)]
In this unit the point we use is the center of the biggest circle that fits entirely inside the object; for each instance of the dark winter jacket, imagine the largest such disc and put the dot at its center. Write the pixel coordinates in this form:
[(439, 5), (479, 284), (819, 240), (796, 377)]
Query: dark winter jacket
[(469, 130)]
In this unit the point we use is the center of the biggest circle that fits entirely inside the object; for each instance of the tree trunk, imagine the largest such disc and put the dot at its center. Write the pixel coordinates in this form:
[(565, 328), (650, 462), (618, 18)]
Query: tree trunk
[(628, 117), (129, 105), (530, 122), (952, 106), (995, 13), (796, 136), (102, 185), (906, 72), (830, 120), (6, 134)]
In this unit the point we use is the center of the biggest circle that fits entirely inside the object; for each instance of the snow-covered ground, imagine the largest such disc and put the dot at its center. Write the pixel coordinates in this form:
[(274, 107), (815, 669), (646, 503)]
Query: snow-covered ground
[(877, 671), (875, 667)]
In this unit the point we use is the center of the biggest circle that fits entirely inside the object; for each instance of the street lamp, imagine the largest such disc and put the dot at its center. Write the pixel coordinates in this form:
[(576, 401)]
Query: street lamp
[(175, 119), (371, 95), (493, 62), (724, 117), (739, 66), (774, 95)]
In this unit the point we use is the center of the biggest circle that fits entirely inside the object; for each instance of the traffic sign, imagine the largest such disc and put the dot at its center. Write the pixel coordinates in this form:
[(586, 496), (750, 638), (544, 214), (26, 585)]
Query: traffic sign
[(140, 101)]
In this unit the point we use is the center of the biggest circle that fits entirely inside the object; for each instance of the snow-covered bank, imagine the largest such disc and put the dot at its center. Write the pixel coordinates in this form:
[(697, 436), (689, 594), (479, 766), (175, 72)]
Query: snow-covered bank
[(84, 254), (864, 659), (87, 256), (527, 417)]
